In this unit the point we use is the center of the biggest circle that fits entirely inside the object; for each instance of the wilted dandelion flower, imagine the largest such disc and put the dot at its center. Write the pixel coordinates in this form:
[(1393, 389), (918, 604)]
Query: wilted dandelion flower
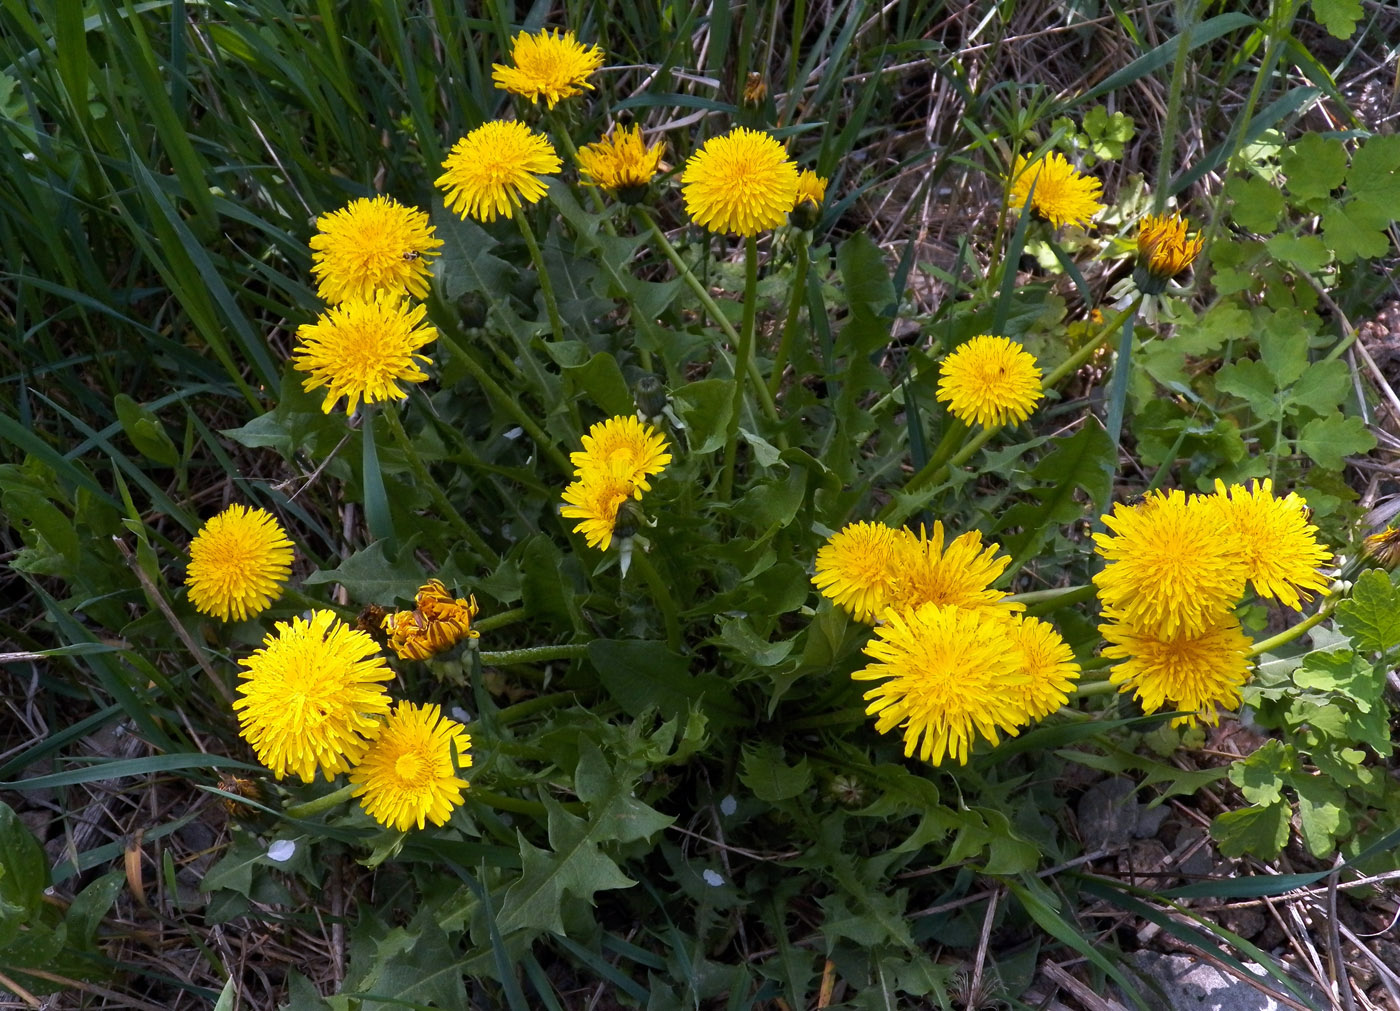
[(407, 777), (855, 568), (370, 246), (239, 560), (624, 447), (1281, 553), (621, 162), (437, 622), (1173, 564), (990, 381), (362, 350), (547, 66), (310, 696), (1062, 195), (1194, 671), (495, 169), (1046, 660), (950, 678), (925, 572), (594, 501), (742, 182), (1384, 547), (1164, 250)]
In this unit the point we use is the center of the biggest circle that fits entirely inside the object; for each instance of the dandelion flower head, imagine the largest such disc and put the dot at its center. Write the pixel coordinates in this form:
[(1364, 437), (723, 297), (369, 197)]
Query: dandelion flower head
[(624, 447), (239, 560), (437, 622), (811, 189), (547, 66), (855, 569), (621, 161), (990, 381), (594, 501), (1048, 663), (310, 697), (362, 350), (962, 574), (1062, 196), (1195, 671), (946, 677), (742, 182), (370, 246), (407, 776), (1163, 248), (1384, 547), (495, 169), (1173, 564), (1281, 554)]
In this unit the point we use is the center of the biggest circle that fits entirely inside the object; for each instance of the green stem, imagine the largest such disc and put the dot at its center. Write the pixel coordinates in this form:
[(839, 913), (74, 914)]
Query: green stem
[(517, 806), (535, 654), (507, 404), (1118, 399), (686, 274), (551, 305), (794, 309), (435, 491), (500, 619), (643, 564), (1289, 634), (841, 717), (1074, 361), (521, 710), (314, 807), (1088, 689), (741, 363), (1042, 601)]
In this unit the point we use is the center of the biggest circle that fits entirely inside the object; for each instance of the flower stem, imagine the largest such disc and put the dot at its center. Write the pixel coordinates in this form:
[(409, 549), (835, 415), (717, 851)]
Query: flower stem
[(551, 305), (741, 362), (516, 805), (794, 309), (435, 491), (314, 807), (535, 654), (506, 403), (1289, 634), (499, 620), (686, 274), (840, 718), (1088, 689), (642, 561)]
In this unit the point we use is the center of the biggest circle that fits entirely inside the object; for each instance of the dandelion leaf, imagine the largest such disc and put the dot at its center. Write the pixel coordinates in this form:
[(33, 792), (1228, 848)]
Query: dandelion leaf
[(575, 864), (769, 777), (370, 576)]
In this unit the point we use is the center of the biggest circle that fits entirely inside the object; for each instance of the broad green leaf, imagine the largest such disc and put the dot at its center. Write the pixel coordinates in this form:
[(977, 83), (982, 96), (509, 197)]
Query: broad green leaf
[(1315, 166), (370, 576), (24, 874), (602, 380), (1322, 387), (1258, 831), (869, 293), (770, 778), (1257, 204), (466, 263), (1341, 671), (1371, 615), (738, 635), (1375, 173), (1283, 342), (1355, 230), (1307, 253), (641, 674), (1077, 467), (1330, 440), (1321, 813), (1261, 776), (145, 431), (90, 907), (1252, 381), (705, 406), (1339, 17)]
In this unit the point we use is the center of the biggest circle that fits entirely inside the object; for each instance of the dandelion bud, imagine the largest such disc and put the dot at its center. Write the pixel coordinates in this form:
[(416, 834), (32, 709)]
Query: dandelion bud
[(651, 398)]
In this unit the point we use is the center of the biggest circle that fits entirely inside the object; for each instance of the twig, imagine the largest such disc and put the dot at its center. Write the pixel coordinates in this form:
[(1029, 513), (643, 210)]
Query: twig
[(1334, 940)]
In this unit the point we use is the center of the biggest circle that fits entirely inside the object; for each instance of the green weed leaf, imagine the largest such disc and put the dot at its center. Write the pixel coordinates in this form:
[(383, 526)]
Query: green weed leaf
[(1257, 204), (769, 777), (24, 874), (1261, 776), (1371, 615), (1259, 831), (1315, 166), (1330, 440), (1339, 17)]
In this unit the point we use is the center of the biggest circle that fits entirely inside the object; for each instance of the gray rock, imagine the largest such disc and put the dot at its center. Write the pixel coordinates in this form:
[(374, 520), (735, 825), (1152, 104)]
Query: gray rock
[(1110, 816), (1189, 984)]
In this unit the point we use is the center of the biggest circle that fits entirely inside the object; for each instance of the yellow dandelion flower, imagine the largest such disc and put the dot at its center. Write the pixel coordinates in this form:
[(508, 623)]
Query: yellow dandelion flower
[(1194, 671), (1048, 663), (855, 568), (239, 560), (370, 246), (742, 182), (437, 622), (310, 697), (924, 572), (624, 447), (595, 501), (363, 350), (1281, 553), (811, 189), (1062, 195), (621, 161), (548, 66), (1173, 564), (1164, 250), (495, 169), (408, 776), (990, 381), (951, 678), (1384, 547)]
